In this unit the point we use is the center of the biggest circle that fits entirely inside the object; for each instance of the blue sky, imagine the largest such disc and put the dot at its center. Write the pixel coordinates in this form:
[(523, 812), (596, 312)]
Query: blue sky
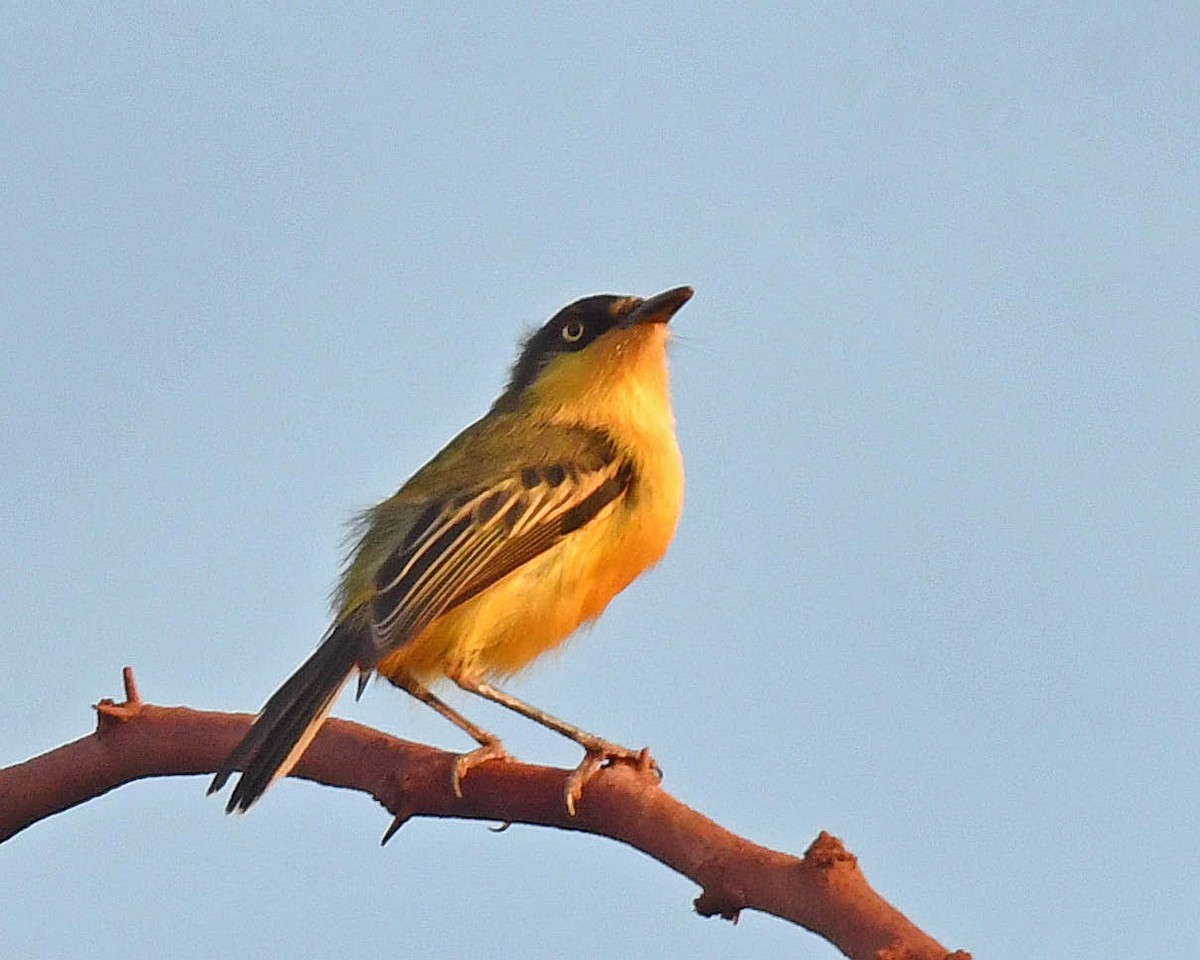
[(935, 585)]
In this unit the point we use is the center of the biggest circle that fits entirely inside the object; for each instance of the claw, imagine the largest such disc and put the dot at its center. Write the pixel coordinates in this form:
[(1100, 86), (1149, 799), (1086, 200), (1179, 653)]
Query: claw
[(600, 754), (491, 750), (591, 765)]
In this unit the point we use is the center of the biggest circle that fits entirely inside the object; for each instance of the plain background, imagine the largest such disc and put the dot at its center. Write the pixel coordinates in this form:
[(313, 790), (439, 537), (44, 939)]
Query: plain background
[(935, 586)]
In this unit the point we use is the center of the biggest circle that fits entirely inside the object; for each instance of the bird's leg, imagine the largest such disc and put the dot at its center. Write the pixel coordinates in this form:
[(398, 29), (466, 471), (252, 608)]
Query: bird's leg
[(598, 752), (490, 747)]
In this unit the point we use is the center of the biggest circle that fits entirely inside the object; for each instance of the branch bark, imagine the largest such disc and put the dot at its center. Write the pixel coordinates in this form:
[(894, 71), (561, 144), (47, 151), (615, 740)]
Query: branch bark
[(823, 891)]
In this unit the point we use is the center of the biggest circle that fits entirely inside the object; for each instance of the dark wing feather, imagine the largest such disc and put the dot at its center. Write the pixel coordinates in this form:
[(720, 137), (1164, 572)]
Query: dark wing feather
[(470, 541)]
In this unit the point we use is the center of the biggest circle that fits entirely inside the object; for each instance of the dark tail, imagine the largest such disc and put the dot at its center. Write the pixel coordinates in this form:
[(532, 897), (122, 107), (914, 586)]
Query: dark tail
[(290, 719)]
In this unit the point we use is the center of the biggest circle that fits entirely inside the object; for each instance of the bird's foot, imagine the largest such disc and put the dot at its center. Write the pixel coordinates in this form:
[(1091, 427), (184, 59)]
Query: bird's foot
[(489, 749), (600, 754)]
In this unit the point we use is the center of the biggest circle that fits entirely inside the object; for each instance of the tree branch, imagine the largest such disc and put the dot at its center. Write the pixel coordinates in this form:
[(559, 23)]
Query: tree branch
[(823, 891)]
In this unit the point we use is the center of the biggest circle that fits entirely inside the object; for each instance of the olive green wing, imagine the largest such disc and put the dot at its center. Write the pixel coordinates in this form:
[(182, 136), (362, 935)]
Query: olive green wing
[(461, 541)]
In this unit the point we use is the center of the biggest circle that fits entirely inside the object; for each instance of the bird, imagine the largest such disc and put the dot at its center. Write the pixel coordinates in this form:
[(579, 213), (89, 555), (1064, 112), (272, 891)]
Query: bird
[(520, 530)]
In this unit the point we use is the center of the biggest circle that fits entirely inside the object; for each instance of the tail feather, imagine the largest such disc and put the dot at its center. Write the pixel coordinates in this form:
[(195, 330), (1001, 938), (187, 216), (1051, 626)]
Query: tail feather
[(289, 720)]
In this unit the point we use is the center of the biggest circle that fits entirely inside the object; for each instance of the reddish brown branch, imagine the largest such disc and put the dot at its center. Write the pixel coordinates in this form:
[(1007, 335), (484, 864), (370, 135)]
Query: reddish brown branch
[(823, 891)]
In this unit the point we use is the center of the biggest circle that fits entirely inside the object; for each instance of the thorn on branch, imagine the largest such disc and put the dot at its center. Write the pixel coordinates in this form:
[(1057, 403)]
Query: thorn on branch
[(108, 711), (404, 812)]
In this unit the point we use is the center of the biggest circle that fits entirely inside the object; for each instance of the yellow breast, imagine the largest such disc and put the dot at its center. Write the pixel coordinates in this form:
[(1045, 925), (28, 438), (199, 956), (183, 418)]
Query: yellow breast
[(538, 606)]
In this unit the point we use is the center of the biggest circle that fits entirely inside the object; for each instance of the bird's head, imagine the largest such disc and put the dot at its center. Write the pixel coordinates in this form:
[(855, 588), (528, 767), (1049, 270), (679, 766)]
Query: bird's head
[(595, 345)]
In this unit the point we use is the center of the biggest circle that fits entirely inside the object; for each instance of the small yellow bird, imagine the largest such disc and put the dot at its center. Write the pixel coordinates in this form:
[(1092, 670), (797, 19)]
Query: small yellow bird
[(521, 529)]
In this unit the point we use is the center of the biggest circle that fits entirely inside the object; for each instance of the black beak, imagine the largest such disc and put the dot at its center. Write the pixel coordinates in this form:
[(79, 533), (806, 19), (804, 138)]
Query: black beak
[(660, 308)]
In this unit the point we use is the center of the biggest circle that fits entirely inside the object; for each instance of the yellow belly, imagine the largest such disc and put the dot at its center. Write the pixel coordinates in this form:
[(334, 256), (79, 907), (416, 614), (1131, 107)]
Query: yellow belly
[(535, 608)]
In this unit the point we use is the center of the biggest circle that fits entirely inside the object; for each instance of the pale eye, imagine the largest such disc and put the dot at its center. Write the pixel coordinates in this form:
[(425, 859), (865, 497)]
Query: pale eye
[(572, 331)]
